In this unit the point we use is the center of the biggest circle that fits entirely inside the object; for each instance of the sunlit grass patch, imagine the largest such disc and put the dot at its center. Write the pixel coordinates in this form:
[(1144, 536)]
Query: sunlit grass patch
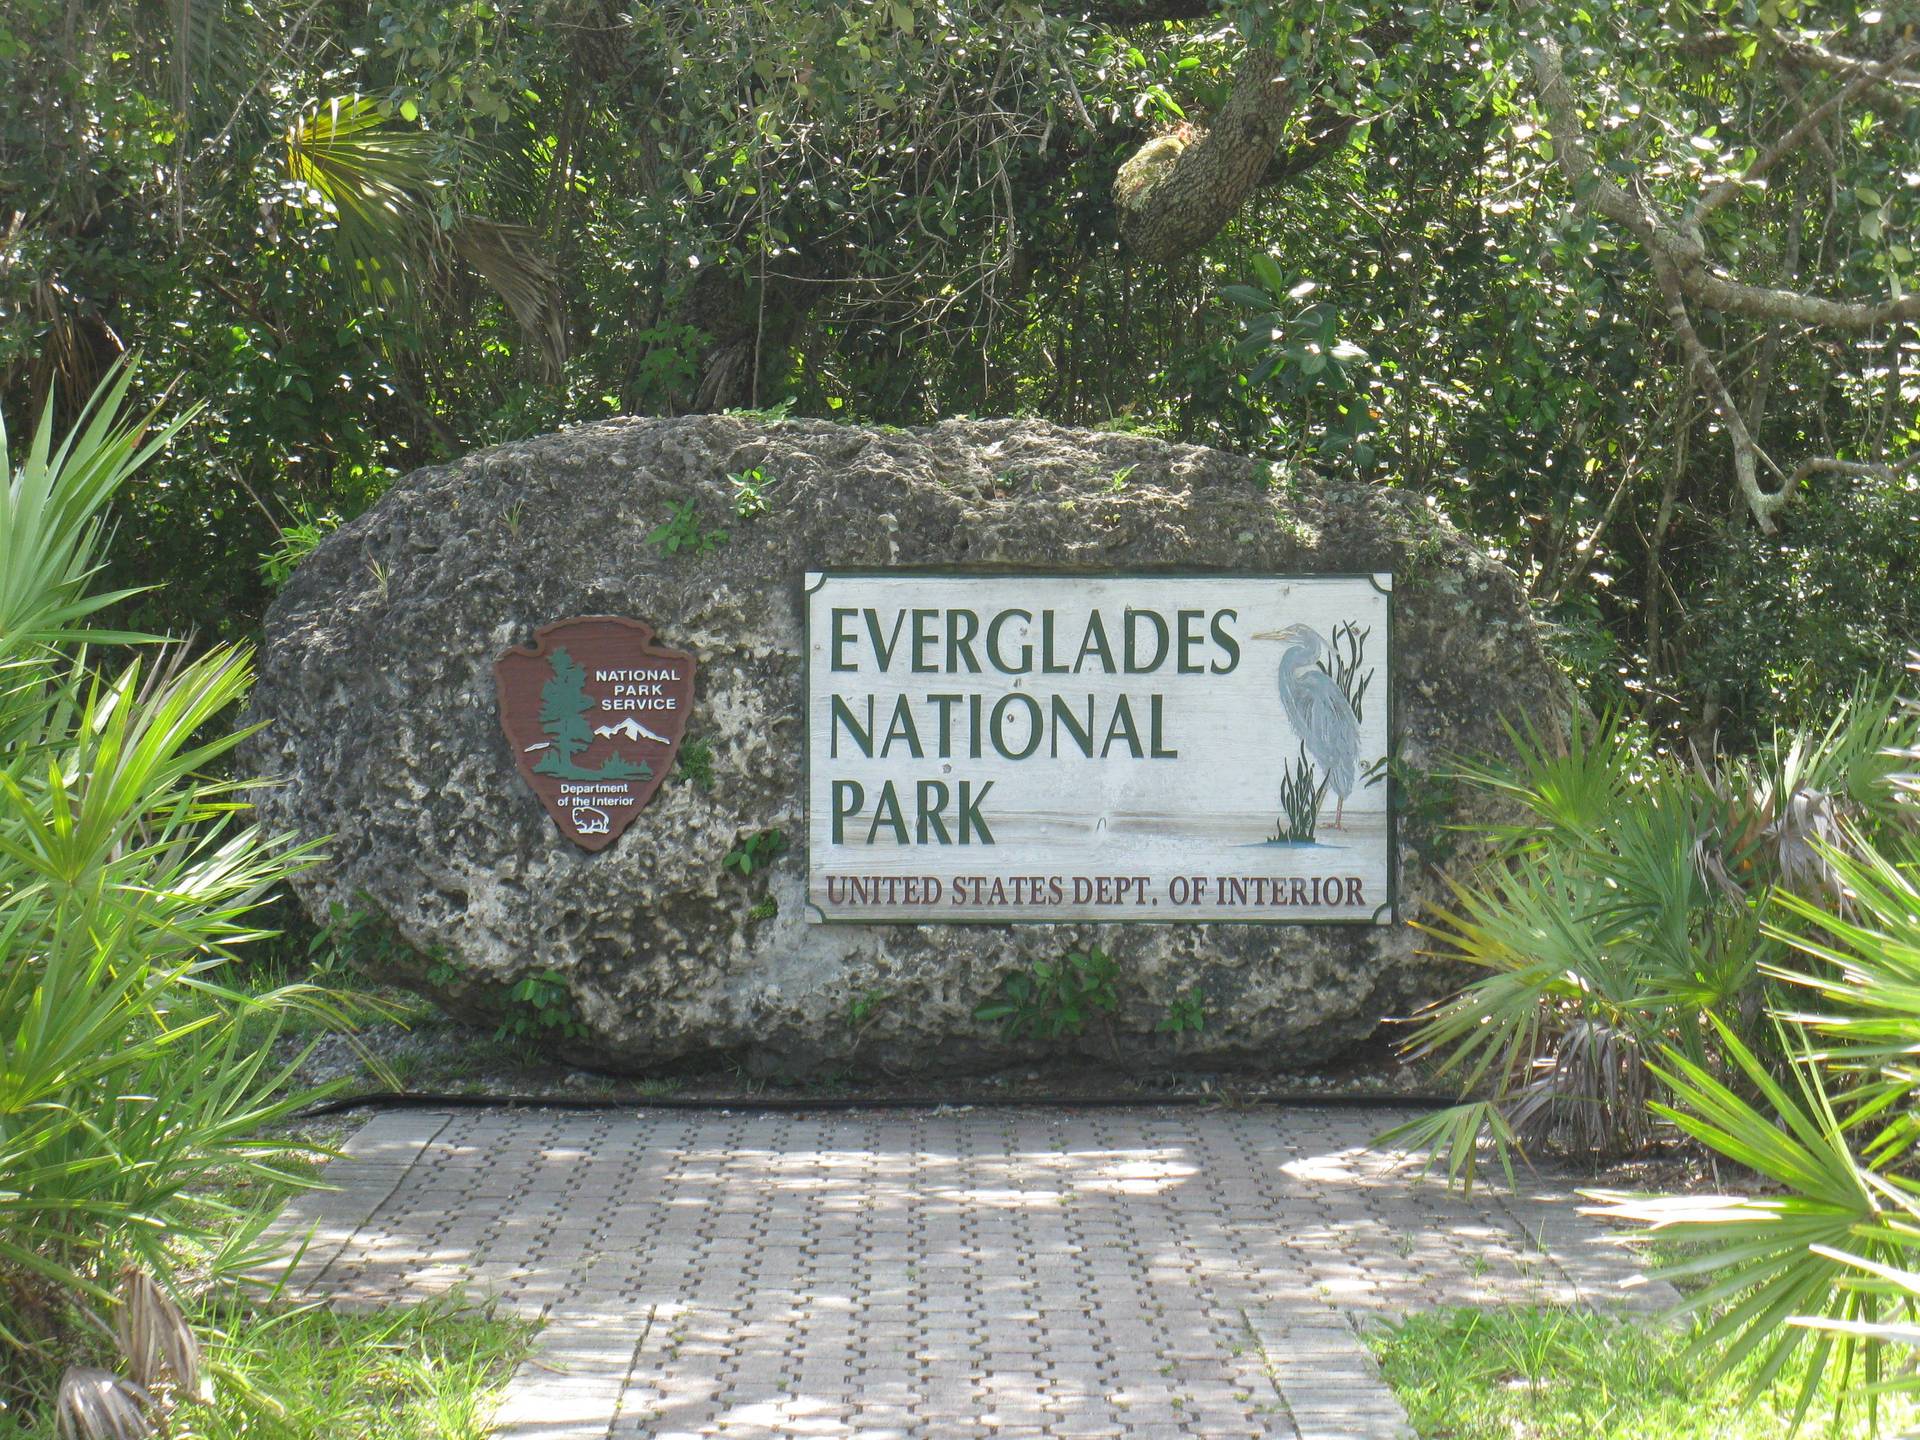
[(1555, 1374), (433, 1371)]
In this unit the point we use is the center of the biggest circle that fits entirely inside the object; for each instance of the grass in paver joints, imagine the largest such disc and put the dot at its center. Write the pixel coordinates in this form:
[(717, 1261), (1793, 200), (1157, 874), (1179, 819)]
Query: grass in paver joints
[(1556, 1374)]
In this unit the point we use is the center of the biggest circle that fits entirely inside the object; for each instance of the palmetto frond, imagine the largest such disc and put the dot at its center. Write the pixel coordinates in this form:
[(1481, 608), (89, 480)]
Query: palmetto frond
[(504, 256), (1769, 1259), (1870, 977), (380, 185), (397, 225), (95, 1404)]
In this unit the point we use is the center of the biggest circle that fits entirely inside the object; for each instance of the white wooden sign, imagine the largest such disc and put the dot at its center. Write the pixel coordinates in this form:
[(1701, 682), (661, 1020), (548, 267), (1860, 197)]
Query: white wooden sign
[(1000, 748)]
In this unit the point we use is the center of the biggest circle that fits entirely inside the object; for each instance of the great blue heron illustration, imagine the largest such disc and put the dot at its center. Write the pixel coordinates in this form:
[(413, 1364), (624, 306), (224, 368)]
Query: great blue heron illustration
[(1319, 713)]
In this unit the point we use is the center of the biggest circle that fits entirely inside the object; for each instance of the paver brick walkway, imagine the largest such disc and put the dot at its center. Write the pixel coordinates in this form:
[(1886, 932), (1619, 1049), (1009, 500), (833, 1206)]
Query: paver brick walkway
[(956, 1273)]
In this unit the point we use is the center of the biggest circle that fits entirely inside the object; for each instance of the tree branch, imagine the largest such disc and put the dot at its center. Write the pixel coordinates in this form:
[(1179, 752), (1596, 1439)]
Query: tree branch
[(1327, 130), (1122, 13), (1761, 503), (1173, 198), (1802, 54), (1809, 56), (1717, 195), (1879, 470), (1677, 255), (1590, 186)]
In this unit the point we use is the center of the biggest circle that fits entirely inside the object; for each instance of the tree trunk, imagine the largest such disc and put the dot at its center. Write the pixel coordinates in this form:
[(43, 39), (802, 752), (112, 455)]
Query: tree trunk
[(747, 340), (1205, 184)]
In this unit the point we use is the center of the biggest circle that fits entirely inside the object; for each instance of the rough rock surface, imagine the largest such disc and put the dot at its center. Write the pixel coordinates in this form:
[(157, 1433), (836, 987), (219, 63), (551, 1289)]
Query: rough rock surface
[(376, 684)]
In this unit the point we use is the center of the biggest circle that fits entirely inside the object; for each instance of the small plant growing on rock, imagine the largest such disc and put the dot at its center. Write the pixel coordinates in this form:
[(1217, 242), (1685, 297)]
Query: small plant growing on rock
[(696, 762), (543, 1010), (682, 532), (364, 940), (1423, 799), (1185, 1013), (297, 541), (756, 852), (861, 1010), (1054, 998), (750, 492)]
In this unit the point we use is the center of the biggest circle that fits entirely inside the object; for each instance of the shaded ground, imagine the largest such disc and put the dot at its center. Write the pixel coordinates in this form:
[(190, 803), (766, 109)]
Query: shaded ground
[(431, 1052)]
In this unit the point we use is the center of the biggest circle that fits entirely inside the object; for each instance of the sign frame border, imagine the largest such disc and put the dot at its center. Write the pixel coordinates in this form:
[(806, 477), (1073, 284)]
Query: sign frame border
[(953, 570)]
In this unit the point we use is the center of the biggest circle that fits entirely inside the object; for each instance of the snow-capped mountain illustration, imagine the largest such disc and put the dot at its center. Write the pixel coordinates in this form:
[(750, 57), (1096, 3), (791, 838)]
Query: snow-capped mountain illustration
[(632, 729)]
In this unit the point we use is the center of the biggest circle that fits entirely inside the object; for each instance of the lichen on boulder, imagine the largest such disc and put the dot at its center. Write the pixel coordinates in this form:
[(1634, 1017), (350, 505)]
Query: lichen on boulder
[(382, 730)]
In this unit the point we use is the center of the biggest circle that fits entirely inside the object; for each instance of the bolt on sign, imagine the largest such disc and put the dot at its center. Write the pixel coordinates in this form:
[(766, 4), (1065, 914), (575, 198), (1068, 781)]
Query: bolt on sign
[(594, 711), (1003, 748)]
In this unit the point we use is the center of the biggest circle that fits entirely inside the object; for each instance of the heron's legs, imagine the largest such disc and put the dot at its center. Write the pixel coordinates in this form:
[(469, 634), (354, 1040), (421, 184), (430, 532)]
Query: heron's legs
[(1339, 812)]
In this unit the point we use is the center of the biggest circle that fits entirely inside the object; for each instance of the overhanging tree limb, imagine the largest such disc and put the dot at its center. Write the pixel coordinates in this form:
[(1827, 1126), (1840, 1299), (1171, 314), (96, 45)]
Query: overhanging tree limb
[(1761, 503), (1174, 197), (1676, 251)]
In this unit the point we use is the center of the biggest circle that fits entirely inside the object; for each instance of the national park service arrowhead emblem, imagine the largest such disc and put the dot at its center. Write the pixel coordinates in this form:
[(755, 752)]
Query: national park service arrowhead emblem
[(594, 712)]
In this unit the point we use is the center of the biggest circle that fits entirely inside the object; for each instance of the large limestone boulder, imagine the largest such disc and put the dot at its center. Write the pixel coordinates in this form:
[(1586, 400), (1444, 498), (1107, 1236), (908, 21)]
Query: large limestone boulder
[(377, 692)]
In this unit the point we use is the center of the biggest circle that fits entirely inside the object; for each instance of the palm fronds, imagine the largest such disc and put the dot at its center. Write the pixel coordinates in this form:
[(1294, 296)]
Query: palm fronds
[(133, 1077), (398, 224), (51, 515), (1770, 1260), (1628, 907)]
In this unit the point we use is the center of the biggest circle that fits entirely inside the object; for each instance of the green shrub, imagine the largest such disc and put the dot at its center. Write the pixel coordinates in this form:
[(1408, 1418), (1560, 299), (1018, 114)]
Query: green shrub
[(1625, 914), (1733, 952), (1824, 1257), (133, 1081)]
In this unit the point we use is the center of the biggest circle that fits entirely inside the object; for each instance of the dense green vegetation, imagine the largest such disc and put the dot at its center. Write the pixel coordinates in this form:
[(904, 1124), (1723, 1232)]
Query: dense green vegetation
[(368, 236), (1730, 952), (143, 1136)]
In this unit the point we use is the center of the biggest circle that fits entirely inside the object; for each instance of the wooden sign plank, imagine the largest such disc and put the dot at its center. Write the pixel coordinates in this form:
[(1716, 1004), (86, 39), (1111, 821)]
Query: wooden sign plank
[(999, 748)]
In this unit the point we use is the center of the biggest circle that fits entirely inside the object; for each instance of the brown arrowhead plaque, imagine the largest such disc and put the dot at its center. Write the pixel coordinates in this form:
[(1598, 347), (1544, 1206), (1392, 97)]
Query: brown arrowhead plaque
[(594, 712)]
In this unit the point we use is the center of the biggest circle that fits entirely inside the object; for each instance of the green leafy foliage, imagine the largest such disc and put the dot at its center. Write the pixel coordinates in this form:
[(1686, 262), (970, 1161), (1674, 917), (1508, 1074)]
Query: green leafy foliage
[(541, 1010), (682, 532), (291, 209), (296, 542), (755, 852), (1294, 344), (360, 939), (126, 877), (1054, 998), (1186, 1014)]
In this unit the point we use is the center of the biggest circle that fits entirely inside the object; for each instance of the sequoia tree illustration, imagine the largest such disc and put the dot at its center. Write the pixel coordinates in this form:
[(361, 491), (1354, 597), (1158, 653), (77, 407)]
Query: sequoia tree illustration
[(564, 704)]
